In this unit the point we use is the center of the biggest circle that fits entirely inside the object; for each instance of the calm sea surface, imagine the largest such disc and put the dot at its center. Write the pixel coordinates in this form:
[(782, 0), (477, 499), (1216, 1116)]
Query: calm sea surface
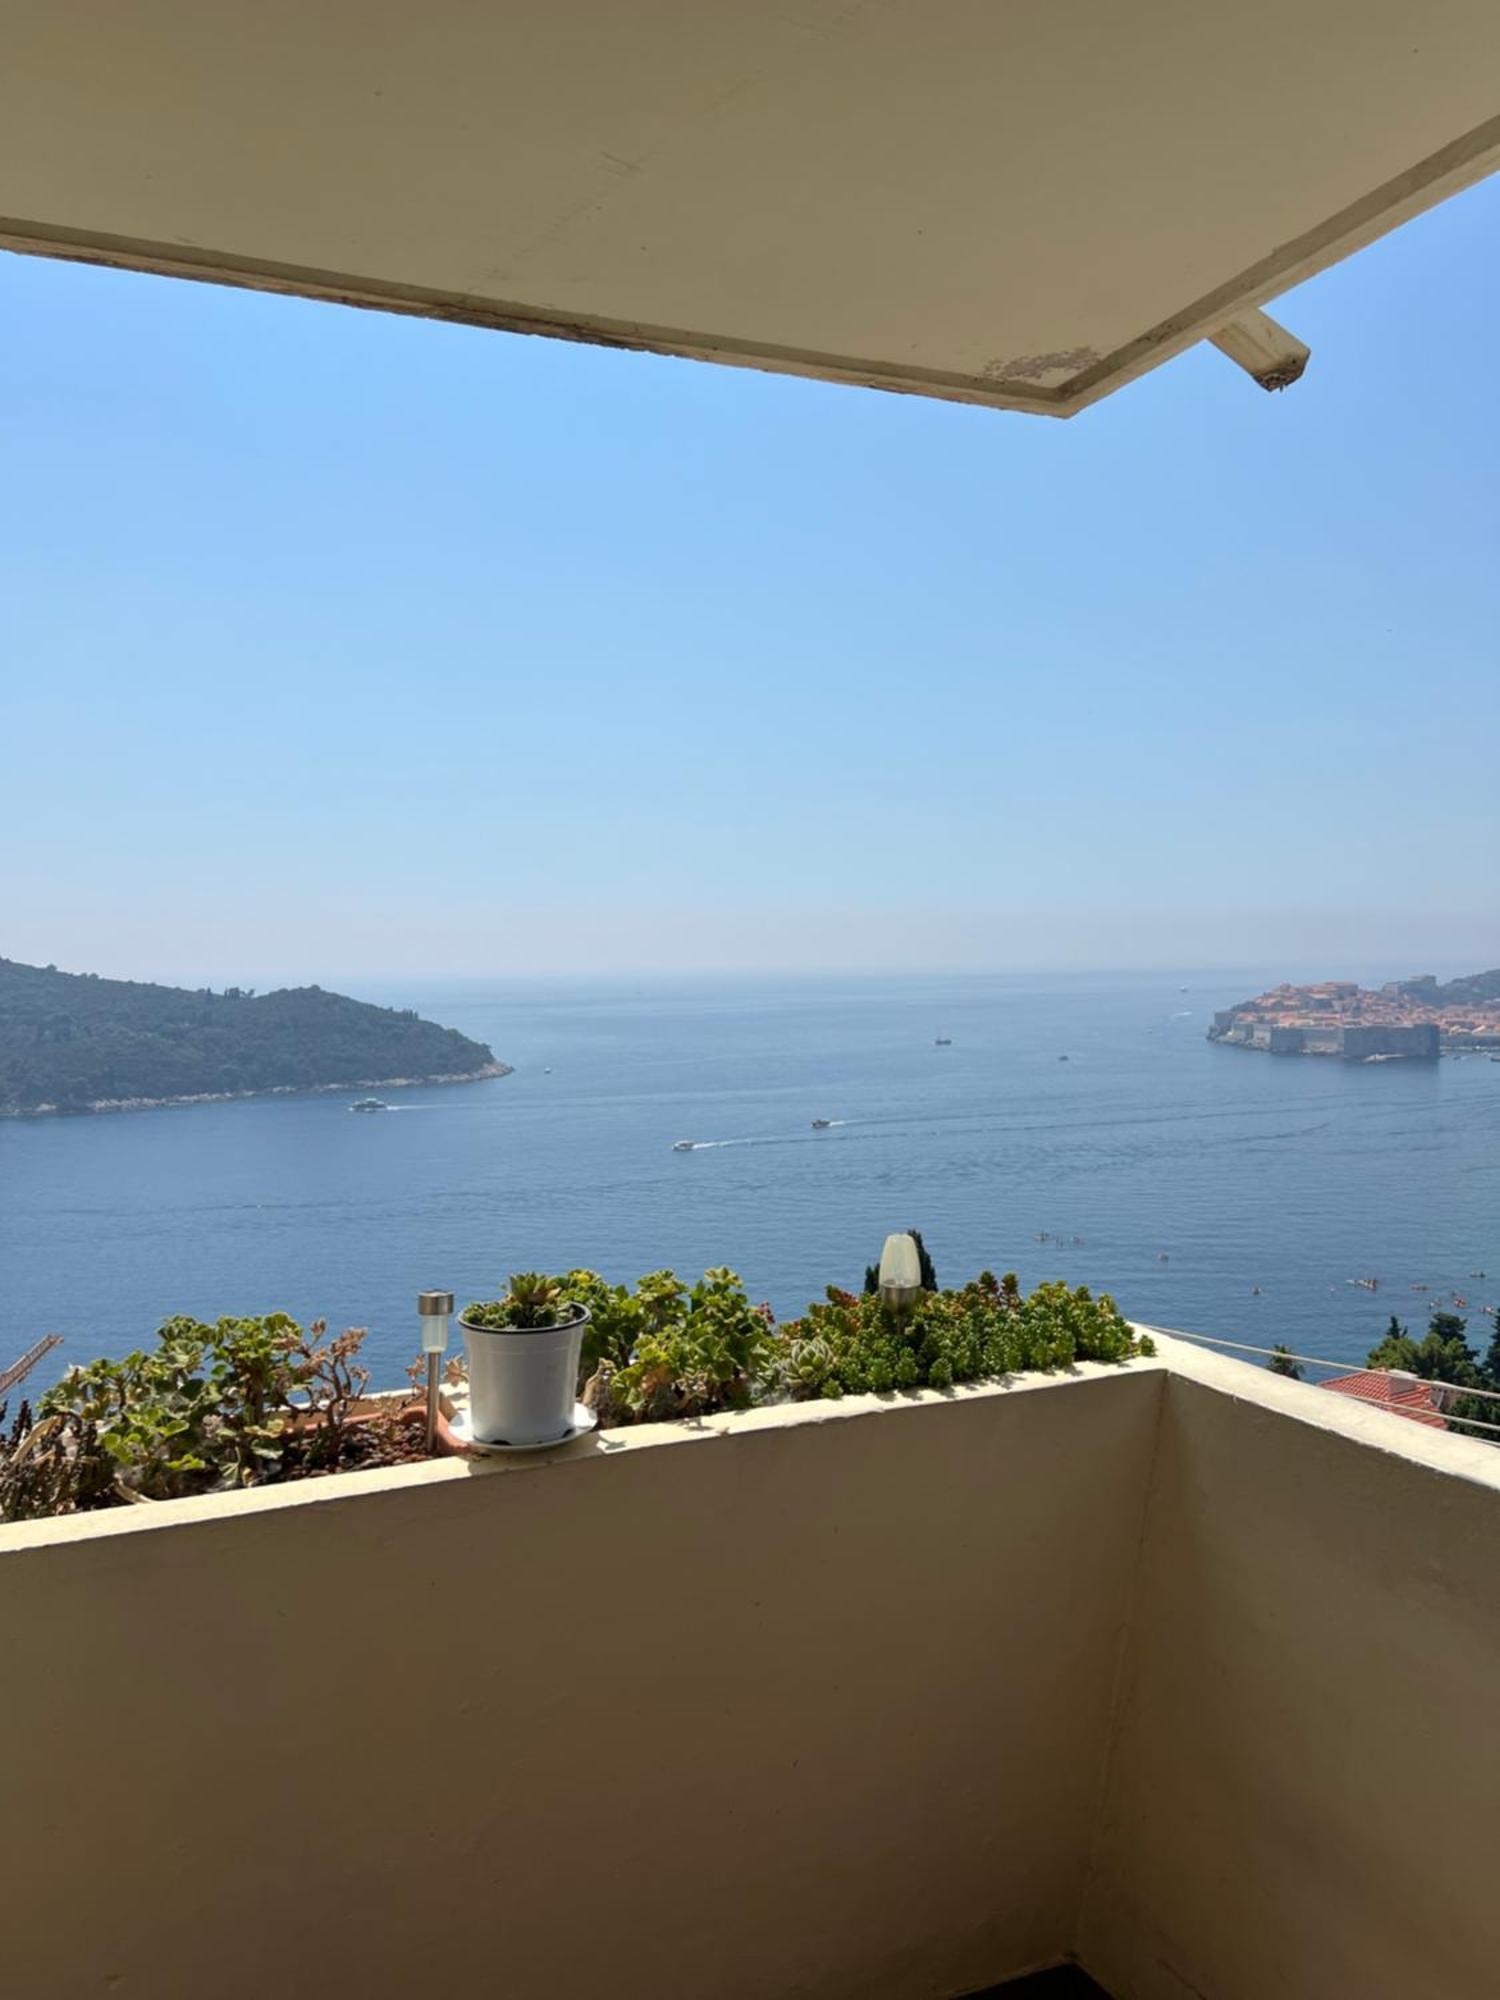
[(1174, 1174)]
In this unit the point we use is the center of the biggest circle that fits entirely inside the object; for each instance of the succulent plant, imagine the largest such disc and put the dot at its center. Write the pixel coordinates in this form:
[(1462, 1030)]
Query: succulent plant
[(533, 1301), (240, 1402), (850, 1344)]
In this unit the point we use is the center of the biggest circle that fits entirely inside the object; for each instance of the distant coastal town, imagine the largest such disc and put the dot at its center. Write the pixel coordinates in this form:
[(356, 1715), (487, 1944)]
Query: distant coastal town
[(1404, 1020)]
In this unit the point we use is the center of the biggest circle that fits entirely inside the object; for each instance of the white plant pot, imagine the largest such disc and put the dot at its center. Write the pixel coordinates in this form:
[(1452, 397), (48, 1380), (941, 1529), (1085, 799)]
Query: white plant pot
[(523, 1383)]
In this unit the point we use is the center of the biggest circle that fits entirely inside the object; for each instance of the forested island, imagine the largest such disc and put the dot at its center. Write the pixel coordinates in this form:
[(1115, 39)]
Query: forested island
[(71, 1041)]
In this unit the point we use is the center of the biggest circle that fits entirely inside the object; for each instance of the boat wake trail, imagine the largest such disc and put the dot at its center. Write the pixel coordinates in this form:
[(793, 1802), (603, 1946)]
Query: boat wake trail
[(756, 1139)]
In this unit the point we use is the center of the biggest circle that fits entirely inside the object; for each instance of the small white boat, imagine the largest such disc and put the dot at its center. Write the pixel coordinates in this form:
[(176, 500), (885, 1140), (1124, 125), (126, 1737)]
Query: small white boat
[(685, 1146), (369, 1104), (821, 1124)]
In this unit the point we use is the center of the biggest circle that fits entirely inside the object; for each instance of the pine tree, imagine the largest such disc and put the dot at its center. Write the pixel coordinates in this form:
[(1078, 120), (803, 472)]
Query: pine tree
[(1490, 1366), (1397, 1350), (1444, 1355)]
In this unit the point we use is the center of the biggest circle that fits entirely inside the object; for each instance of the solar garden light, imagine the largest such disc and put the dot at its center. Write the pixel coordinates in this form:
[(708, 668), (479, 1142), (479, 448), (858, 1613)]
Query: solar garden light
[(433, 1310), (900, 1273)]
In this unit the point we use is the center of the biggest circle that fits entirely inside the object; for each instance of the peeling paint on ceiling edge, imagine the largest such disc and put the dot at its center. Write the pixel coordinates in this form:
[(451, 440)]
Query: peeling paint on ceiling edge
[(1458, 165)]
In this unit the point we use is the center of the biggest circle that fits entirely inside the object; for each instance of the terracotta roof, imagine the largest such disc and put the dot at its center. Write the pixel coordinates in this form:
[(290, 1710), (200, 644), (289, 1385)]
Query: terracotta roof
[(1402, 1395)]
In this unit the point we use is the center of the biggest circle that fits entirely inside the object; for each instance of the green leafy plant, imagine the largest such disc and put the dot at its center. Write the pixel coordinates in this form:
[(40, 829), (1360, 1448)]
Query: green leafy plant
[(255, 1367), (149, 1411), (533, 1301), (247, 1401), (233, 1404), (852, 1344), (706, 1350), (620, 1319), (669, 1350)]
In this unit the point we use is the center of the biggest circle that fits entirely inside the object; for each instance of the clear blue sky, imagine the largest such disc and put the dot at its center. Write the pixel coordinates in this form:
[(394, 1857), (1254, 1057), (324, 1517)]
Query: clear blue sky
[(335, 641)]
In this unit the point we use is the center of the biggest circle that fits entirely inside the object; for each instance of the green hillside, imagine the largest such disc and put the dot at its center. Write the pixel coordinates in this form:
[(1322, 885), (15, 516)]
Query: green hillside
[(1480, 989), (71, 1040)]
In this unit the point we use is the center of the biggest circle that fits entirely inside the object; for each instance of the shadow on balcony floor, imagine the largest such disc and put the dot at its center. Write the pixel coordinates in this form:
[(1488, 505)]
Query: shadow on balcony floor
[(1063, 1982)]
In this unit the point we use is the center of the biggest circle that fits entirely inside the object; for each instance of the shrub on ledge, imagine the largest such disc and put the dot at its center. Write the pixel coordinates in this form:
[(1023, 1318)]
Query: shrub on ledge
[(666, 1350), (232, 1404), (854, 1345), (243, 1402), (254, 1401)]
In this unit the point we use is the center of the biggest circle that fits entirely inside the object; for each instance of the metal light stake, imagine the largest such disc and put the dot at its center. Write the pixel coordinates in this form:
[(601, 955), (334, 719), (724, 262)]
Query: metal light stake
[(433, 1310)]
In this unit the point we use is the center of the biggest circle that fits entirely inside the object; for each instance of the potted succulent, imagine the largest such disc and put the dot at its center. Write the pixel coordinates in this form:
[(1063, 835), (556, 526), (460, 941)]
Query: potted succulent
[(523, 1365)]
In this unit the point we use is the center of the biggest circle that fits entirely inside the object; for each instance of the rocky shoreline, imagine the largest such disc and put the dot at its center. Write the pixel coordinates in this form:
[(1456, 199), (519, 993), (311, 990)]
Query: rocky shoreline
[(106, 1104)]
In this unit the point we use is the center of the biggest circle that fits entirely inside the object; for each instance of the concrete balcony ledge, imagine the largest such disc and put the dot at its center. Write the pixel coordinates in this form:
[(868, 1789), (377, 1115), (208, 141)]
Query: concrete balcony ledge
[(1176, 1669), (1456, 1455), (596, 1447)]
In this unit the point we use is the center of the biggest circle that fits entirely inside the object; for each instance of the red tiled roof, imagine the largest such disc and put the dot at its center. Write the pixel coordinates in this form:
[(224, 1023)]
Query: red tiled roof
[(1396, 1393)]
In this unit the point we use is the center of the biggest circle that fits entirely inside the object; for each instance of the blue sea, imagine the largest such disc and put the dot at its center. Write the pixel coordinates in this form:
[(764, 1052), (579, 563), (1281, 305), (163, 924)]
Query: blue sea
[(1177, 1175)]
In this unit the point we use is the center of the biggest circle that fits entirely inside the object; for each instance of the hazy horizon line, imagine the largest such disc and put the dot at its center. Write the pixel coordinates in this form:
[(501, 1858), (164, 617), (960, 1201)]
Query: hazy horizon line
[(1295, 970)]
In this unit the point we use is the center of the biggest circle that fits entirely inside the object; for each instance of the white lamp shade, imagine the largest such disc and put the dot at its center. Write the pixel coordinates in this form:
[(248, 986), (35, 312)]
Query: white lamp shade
[(900, 1270)]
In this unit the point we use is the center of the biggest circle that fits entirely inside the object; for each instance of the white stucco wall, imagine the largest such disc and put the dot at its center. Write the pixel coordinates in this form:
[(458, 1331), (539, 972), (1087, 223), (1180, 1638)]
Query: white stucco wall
[(1182, 1668), (810, 1702), (1304, 1792)]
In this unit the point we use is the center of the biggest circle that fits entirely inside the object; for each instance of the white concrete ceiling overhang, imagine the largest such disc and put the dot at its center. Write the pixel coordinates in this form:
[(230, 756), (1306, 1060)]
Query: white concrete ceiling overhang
[(1023, 203)]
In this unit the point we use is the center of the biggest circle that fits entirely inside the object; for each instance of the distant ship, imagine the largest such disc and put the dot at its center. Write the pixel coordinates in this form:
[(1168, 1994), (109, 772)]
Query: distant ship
[(821, 1124), (1063, 1059), (944, 1042), (685, 1146), (369, 1104)]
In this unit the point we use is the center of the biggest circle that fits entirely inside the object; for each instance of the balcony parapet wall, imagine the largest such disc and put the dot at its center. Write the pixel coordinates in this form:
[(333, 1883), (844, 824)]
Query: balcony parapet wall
[(1177, 1666)]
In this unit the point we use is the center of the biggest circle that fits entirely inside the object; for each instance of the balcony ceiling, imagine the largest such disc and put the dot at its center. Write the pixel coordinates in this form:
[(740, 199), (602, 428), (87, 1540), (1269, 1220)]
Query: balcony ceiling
[(1023, 203)]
